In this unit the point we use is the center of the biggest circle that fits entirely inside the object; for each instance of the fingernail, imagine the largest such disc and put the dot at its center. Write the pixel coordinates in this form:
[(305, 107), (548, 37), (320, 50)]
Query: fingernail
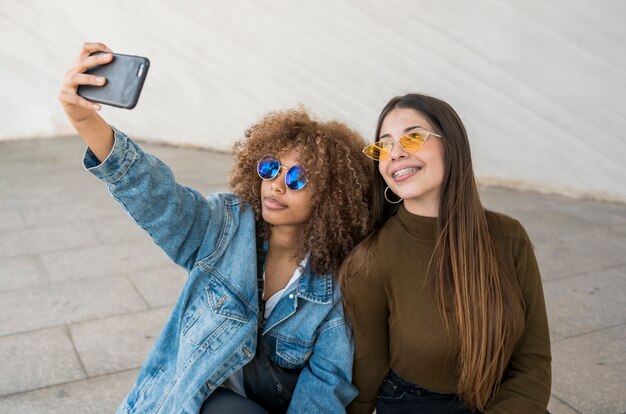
[(100, 79), (96, 107), (105, 56)]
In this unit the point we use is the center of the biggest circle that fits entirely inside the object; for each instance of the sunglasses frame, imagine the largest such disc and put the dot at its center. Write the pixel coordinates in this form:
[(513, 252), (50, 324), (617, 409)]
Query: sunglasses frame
[(280, 166), (398, 141)]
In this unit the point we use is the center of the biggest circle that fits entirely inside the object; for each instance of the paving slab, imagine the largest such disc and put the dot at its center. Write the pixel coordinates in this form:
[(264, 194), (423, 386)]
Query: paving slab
[(159, 286), (570, 255), (101, 395), (582, 304), (87, 211), (117, 229), (63, 303), (556, 406), (34, 240), (117, 343), (21, 272), (49, 186), (103, 260), (589, 371), (37, 359)]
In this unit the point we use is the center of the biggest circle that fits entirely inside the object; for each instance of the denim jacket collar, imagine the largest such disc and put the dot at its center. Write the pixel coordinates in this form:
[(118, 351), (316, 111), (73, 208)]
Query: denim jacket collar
[(311, 287), (315, 288)]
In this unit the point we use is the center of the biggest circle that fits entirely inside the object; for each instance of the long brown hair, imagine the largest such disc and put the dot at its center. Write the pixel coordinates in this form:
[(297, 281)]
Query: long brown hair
[(482, 305)]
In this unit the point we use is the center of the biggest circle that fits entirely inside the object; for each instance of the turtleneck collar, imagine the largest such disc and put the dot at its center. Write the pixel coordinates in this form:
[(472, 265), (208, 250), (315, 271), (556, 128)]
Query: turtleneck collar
[(420, 227)]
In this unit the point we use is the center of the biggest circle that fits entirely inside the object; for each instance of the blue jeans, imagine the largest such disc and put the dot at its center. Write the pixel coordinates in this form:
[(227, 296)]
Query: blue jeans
[(399, 396)]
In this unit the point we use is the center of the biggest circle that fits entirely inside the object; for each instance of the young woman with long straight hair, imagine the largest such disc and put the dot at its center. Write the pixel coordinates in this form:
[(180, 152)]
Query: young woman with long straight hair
[(445, 297)]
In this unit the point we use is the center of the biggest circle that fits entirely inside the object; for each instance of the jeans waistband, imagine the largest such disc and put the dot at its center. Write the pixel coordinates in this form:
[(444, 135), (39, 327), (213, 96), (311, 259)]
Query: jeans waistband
[(411, 388)]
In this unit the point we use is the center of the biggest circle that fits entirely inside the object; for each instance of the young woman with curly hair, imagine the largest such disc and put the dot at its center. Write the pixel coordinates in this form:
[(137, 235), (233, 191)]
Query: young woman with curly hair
[(259, 325), (445, 296)]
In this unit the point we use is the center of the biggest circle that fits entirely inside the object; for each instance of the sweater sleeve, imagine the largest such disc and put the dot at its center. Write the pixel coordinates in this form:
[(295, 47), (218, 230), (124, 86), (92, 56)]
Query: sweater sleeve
[(526, 384), (367, 301)]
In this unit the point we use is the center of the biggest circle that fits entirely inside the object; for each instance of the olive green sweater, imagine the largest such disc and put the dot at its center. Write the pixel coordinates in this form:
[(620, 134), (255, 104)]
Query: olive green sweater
[(397, 324)]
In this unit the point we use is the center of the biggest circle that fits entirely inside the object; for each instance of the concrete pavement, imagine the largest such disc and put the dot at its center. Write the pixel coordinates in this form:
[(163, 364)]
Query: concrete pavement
[(84, 292)]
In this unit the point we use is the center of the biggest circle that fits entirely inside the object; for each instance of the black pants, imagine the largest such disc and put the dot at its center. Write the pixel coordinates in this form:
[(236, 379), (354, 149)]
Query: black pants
[(269, 387), (399, 396), (225, 401)]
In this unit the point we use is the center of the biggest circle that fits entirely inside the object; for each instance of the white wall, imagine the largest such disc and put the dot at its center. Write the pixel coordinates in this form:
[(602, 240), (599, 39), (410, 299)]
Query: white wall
[(541, 85)]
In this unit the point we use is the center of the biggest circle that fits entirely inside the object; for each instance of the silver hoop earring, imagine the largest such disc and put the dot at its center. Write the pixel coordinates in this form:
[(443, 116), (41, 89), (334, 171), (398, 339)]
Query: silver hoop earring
[(387, 198)]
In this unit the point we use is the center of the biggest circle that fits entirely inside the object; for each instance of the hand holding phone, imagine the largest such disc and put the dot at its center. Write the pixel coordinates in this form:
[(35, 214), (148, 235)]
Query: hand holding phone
[(82, 113), (125, 76)]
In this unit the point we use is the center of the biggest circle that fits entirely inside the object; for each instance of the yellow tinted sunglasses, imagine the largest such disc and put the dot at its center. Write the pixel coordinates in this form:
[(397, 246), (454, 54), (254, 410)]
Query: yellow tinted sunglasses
[(380, 150)]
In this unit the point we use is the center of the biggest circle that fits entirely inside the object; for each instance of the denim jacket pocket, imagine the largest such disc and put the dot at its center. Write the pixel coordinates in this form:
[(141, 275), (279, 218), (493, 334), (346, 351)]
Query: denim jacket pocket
[(214, 315), (293, 354)]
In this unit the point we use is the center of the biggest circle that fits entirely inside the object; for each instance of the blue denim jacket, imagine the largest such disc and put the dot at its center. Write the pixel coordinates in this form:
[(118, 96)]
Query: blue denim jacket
[(211, 332)]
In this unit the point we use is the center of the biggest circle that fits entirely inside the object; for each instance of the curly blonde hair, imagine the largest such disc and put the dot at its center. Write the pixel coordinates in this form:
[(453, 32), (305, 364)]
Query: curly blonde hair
[(339, 181)]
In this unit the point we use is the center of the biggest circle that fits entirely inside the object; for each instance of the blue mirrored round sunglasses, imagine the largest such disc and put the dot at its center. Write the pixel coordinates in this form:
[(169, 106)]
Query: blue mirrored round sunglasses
[(269, 166)]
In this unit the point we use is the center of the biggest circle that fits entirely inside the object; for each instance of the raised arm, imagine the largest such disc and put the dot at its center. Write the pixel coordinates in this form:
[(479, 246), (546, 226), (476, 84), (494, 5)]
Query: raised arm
[(179, 219), (94, 130)]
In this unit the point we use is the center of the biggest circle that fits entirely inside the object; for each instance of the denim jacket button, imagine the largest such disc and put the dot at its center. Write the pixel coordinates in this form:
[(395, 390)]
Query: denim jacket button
[(247, 352), (291, 296)]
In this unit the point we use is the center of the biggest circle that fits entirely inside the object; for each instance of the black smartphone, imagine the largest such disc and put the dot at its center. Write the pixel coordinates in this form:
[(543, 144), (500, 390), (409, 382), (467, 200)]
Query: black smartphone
[(125, 75)]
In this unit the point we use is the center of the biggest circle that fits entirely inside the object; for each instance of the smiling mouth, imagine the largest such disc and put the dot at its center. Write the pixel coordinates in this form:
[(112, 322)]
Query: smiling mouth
[(405, 171)]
